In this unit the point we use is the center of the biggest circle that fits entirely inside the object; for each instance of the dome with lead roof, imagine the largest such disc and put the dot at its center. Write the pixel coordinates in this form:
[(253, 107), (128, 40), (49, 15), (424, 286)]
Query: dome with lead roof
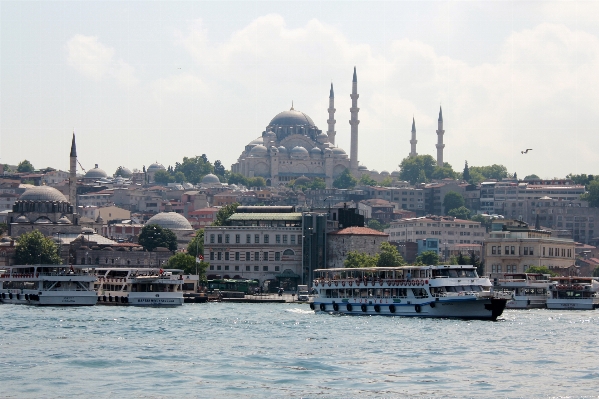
[(299, 152), (96, 173), (170, 220), (316, 151), (292, 118), (258, 151), (338, 151), (210, 179), (155, 167), (42, 193)]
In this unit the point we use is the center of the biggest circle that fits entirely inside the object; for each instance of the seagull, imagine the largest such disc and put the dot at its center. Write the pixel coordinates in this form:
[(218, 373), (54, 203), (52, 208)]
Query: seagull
[(526, 152)]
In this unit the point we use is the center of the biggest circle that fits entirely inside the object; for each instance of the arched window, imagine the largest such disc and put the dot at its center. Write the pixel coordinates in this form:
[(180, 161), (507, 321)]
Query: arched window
[(288, 252)]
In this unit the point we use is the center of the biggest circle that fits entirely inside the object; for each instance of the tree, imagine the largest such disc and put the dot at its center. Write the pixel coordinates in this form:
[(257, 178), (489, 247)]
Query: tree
[(256, 182), (490, 172), (194, 168), (153, 236), (345, 180), (366, 180), (163, 177), (443, 172), (592, 195), (318, 184), (179, 177), (582, 179), (541, 270), (188, 264), (466, 173), (224, 213), (484, 221), (418, 169), (3, 228), (375, 225), (360, 259), (219, 169), (237, 178), (33, 248), (386, 182), (460, 213), (389, 256), (196, 245), (428, 258), (452, 200), (25, 167), (596, 272), (532, 177)]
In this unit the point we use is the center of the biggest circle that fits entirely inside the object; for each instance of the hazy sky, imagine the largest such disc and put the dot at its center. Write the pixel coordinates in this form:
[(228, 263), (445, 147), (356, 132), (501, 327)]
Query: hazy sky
[(147, 81)]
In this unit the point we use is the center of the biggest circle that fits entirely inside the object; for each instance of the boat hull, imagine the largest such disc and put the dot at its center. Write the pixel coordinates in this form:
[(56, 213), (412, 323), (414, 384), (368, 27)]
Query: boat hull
[(51, 298), (527, 303), (456, 308), (141, 299), (573, 304)]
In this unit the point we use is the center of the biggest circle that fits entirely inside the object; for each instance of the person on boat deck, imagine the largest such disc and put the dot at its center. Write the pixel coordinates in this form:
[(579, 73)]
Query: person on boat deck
[(409, 276)]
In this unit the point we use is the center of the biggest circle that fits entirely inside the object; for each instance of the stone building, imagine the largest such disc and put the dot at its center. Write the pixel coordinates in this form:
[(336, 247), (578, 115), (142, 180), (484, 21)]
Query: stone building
[(177, 223), (447, 229), (360, 239)]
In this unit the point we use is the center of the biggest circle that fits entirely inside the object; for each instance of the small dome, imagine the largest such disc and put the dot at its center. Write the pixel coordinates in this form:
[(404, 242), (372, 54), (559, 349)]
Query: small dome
[(384, 173), (338, 151), (170, 220), (282, 149), (269, 136), (155, 166), (316, 151), (395, 173), (210, 179), (362, 167), (374, 171), (299, 152), (257, 141), (302, 180), (328, 151), (258, 151), (95, 173), (64, 220), (42, 220), (42, 193), (22, 219), (125, 172), (292, 118), (322, 138)]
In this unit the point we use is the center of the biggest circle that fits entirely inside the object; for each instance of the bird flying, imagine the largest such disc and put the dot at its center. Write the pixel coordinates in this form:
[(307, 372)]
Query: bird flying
[(526, 152)]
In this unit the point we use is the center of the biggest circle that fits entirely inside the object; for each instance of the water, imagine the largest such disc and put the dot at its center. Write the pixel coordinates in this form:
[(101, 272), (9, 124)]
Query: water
[(285, 350)]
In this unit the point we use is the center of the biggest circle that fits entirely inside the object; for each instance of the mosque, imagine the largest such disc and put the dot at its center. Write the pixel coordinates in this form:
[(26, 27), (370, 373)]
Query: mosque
[(292, 146)]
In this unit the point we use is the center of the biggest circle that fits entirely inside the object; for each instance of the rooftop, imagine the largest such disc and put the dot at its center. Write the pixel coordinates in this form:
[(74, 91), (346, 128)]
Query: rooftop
[(359, 231)]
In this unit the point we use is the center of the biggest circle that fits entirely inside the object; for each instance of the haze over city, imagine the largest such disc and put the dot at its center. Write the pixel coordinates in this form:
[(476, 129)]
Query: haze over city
[(156, 81)]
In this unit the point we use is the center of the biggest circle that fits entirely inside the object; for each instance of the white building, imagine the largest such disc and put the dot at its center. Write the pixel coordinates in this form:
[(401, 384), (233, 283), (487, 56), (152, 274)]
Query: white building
[(447, 229)]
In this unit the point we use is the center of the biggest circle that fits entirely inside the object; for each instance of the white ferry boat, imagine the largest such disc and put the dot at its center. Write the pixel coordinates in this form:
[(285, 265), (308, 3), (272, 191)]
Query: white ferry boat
[(138, 287), (453, 291), (529, 290), (577, 293), (47, 285)]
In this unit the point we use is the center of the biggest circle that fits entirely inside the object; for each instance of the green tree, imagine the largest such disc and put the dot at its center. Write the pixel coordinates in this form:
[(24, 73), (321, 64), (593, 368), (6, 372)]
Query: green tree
[(360, 259), (237, 178), (484, 221), (460, 213), (466, 173), (592, 195), (153, 236), (582, 179), (196, 245), (163, 177), (532, 177), (375, 225), (256, 182), (25, 167), (389, 256), (443, 172), (452, 200), (225, 213), (541, 270), (345, 180), (194, 168), (366, 180), (490, 172), (596, 272), (219, 169), (418, 169), (188, 264), (179, 177), (428, 258), (33, 248), (3, 228), (386, 182), (318, 184)]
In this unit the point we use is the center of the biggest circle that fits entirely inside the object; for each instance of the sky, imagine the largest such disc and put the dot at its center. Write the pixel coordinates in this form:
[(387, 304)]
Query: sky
[(147, 81)]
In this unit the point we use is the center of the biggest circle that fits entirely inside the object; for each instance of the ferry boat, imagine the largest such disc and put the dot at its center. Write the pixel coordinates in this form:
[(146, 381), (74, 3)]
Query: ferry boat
[(138, 287), (448, 291), (529, 290), (578, 293), (47, 285)]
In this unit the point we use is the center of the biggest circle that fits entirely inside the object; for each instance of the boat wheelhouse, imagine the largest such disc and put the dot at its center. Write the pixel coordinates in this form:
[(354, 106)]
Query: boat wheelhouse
[(577, 293), (47, 285), (139, 287), (528, 290), (449, 291)]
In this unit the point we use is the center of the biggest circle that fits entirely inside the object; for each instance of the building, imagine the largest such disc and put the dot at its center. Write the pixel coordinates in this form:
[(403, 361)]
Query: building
[(203, 217), (359, 239), (513, 247), (177, 224), (447, 229)]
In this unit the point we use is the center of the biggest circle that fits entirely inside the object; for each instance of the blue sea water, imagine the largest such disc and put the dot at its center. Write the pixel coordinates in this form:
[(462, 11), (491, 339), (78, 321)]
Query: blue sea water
[(285, 350)]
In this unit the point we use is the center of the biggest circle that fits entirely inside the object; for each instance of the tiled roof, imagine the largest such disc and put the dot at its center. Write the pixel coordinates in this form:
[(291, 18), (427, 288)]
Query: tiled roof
[(359, 231)]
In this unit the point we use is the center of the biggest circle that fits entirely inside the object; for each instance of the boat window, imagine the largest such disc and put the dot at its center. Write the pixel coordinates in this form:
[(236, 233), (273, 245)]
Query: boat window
[(419, 292), (453, 273)]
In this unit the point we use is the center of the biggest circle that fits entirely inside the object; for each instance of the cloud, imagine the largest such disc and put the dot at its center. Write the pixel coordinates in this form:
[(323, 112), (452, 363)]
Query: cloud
[(94, 60)]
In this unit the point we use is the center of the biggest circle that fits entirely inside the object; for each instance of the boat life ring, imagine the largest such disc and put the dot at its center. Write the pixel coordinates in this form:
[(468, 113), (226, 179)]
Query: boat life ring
[(104, 298), (126, 299), (329, 283), (417, 308), (10, 295), (363, 307), (26, 297), (336, 307), (323, 307), (312, 306), (381, 283), (425, 281), (343, 283), (109, 298), (349, 307), (432, 304), (336, 283), (3, 295), (377, 308), (351, 283), (392, 308), (18, 296), (357, 283)]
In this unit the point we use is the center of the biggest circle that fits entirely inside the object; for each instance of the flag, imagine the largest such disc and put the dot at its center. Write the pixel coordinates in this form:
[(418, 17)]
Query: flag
[(161, 271), (199, 258)]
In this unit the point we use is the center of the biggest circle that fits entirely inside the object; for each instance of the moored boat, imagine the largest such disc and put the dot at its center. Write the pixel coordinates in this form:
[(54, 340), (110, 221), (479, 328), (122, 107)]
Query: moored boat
[(47, 285), (529, 290), (139, 287), (446, 291), (576, 293)]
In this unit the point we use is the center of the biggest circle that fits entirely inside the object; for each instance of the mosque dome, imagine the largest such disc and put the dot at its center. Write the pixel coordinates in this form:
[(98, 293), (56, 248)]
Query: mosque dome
[(302, 180), (395, 173), (384, 173), (210, 179), (322, 138), (22, 219), (316, 151), (292, 118), (155, 167), (257, 141), (95, 173), (170, 220), (374, 171), (42, 193), (42, 220), (269, 136), (64, 220), (125, 172), (282, 149), (299, 152), (338, 151), (362, 167), (258, 151)]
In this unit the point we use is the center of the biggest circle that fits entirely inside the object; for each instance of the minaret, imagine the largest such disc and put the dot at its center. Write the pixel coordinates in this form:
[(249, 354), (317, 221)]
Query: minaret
[(440, 144), (331, 121), (413, 142), (354, 121), (73, 175)]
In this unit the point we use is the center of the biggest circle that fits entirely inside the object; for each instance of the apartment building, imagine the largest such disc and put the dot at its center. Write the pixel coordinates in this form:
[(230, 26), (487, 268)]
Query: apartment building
[(447, 229)]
